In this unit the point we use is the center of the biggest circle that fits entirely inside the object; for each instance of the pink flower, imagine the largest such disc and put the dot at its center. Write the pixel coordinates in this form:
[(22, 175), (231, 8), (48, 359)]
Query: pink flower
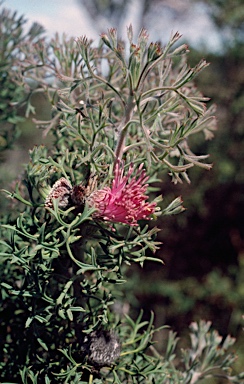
[(125, 202)]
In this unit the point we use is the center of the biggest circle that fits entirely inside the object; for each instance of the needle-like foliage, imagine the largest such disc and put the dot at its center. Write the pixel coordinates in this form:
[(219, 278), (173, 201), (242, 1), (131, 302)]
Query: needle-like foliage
[(83, 212)]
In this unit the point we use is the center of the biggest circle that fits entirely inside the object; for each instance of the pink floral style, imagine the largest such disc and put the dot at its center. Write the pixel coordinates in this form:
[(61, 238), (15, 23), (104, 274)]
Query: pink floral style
[(125, 202)]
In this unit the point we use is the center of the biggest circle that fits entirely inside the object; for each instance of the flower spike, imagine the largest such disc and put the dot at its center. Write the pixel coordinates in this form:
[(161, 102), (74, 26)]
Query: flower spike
[(125, 202)]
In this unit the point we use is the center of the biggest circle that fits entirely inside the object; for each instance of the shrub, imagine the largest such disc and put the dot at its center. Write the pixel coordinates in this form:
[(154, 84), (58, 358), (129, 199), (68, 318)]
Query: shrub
[(80, 217)]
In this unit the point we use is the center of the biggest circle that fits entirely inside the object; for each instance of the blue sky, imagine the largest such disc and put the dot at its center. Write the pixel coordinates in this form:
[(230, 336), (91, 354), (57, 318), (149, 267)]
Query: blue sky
[(55, 15), (67, 16)]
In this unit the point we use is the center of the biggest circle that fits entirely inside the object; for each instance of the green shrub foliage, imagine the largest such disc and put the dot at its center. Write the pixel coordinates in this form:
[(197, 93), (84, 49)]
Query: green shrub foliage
[(12, 37), (66, 244)]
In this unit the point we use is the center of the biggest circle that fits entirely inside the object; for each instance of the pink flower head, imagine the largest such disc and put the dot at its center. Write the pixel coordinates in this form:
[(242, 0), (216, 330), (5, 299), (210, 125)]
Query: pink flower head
[(125, 202)]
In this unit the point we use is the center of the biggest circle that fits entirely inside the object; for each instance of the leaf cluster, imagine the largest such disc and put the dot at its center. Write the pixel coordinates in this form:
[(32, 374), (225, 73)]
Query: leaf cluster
[(12, 94), (141, 105)]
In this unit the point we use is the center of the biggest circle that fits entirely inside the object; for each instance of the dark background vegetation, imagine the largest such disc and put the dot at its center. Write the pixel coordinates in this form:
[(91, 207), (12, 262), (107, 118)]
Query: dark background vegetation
[(203, 248)]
